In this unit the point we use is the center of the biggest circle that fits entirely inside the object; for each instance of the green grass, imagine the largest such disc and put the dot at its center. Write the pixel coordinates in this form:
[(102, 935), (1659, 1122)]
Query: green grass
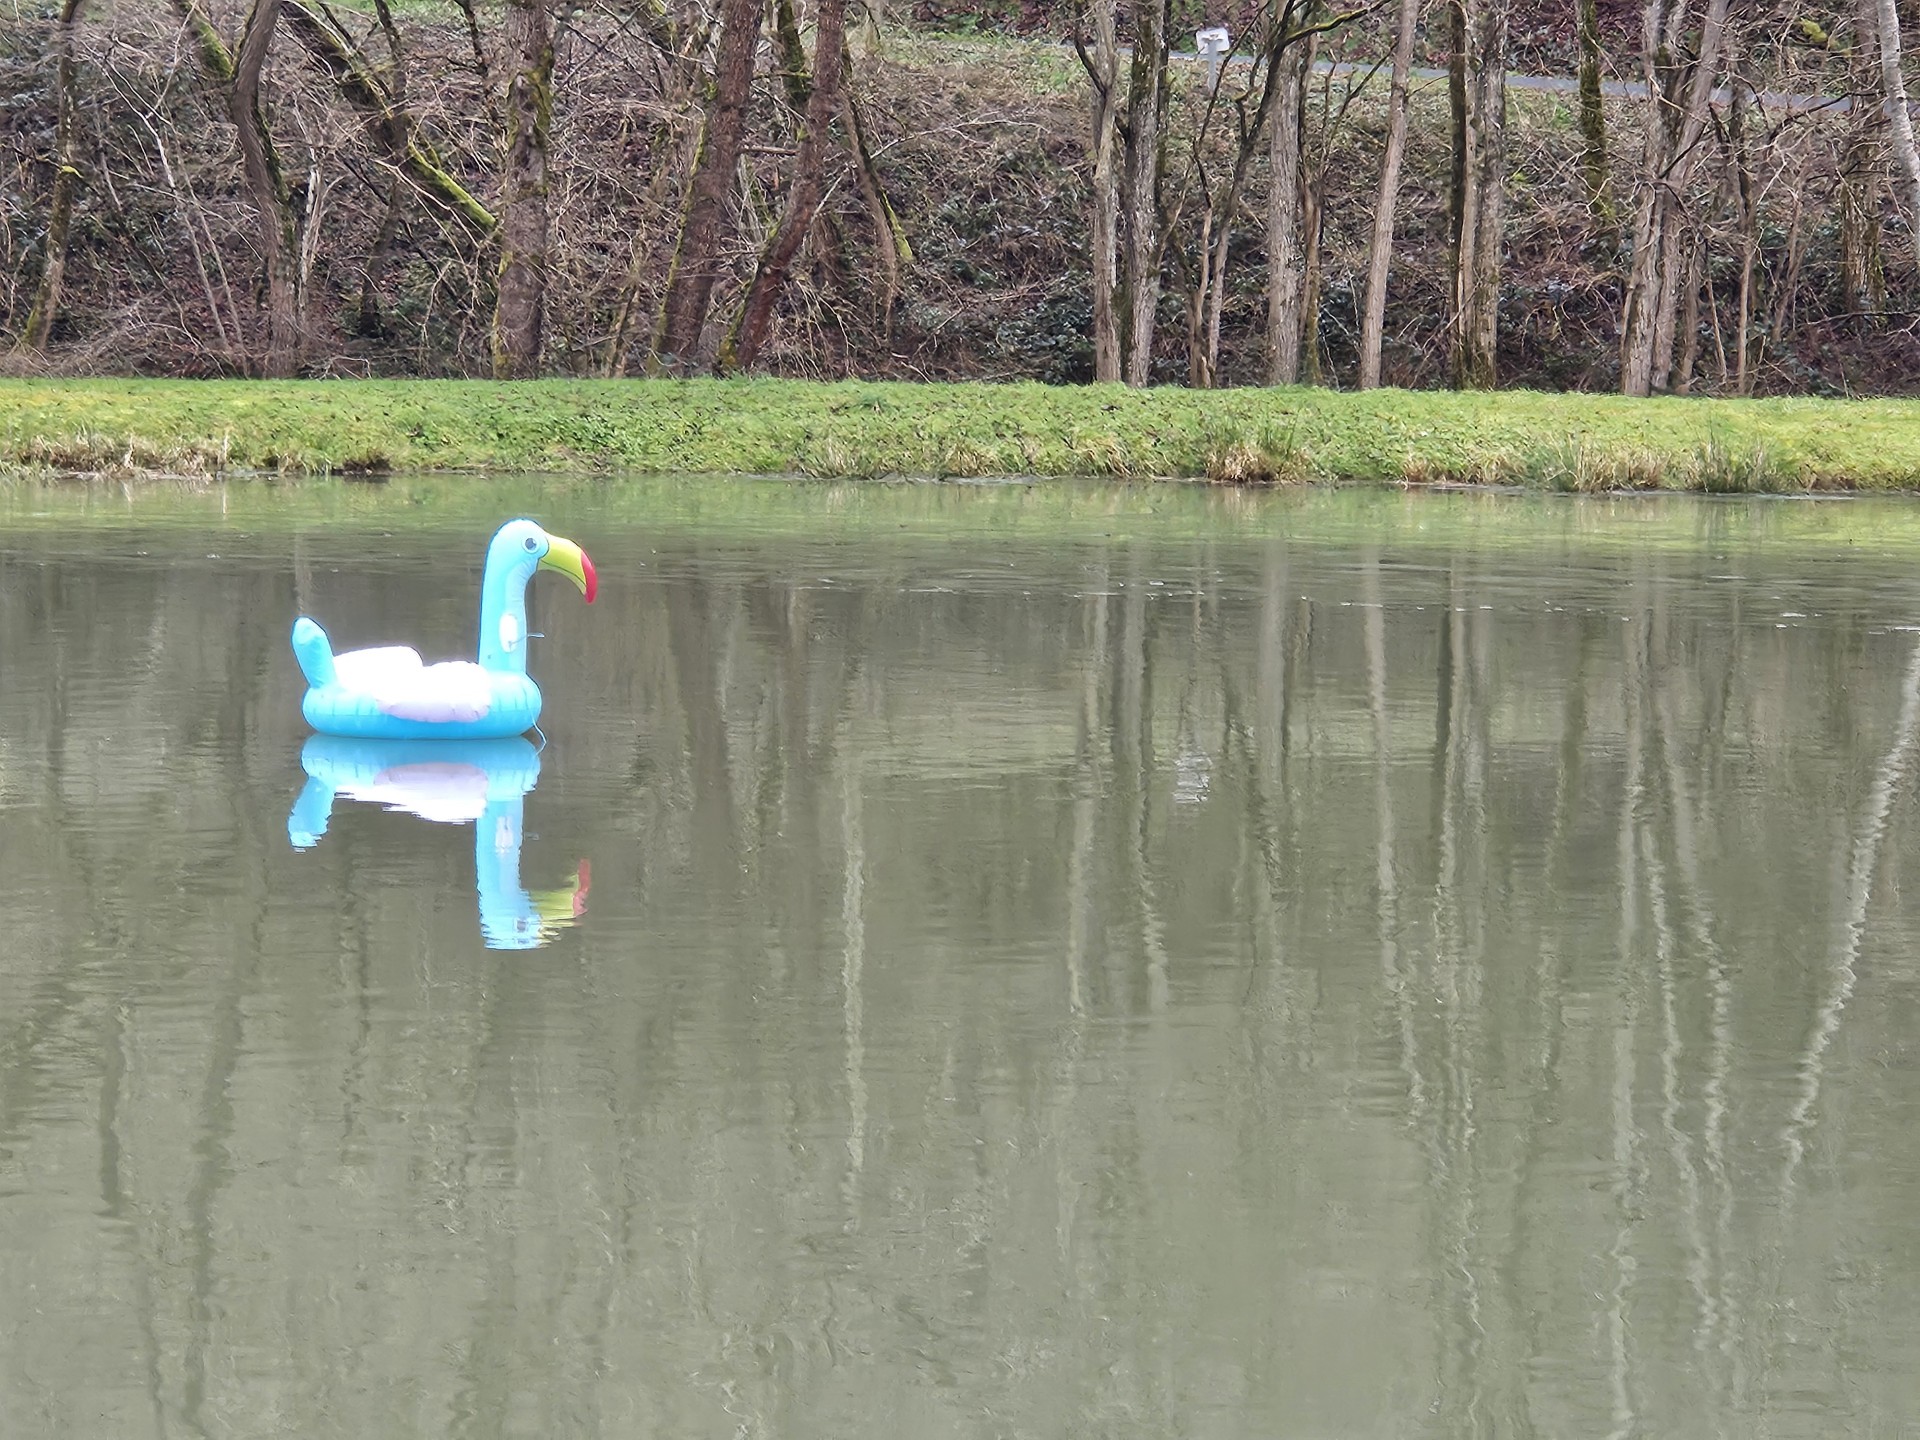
[(124, 427)]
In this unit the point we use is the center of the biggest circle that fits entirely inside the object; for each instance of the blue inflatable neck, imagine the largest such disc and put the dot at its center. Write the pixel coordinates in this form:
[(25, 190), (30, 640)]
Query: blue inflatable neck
[(508, 918), (503, 603)]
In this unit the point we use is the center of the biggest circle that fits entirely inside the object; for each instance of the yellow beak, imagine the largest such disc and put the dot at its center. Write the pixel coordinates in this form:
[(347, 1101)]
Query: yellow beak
[(571, 561), (560, 908)]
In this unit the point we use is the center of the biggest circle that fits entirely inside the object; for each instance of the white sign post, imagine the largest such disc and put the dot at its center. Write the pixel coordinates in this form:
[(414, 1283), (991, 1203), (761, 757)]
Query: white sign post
[(1212, 43)]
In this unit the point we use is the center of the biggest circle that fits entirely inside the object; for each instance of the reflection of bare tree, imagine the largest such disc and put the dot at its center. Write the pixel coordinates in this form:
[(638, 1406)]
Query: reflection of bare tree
[(1843, 970), (1264, 778), (123, 1210), (1629, 1179), (853, 930), (697, 661), (1479, 1378), (1087, 786), (215, 1119), (137, 887), (1270, 654), (1386, 866), (1134, 755), (1686, 891), (1551, 965)]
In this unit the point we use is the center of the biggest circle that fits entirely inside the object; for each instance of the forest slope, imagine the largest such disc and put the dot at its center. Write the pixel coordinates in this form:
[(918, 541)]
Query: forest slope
[(957, 251)]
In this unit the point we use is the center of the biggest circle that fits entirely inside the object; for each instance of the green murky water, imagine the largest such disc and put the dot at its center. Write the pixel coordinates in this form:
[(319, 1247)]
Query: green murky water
[(995, 962)]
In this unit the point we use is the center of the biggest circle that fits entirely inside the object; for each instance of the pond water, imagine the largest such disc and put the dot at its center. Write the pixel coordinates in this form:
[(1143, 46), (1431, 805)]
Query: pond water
[(983, 962)]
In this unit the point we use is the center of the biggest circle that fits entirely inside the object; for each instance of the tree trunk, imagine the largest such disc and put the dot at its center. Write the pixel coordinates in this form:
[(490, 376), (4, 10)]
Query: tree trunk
[(792, 51), (1222, 204), (1286, 55), (1863, 280), (1217, 295), (280, 220), (697, 258), (519, 311), (66, 183), (1102, 63), (1672, 145), (1145, 162), (1687, 341), (1479, 92), (1593, 126), (1199, 303), (368, 320), (890, 243), (1894, 88), (1284, 259), (672, 150), (1313, 194), (1386, 200), (1748, 208), (803, 196), (1649, 211)]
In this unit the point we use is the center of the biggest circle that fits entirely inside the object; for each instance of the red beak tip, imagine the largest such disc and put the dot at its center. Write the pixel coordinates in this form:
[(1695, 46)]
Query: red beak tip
[(593, 580)]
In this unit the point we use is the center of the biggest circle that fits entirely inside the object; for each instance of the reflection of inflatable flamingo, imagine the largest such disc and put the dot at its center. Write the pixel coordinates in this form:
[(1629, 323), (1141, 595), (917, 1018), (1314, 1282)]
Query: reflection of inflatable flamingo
[(388, 694), (451, 782)]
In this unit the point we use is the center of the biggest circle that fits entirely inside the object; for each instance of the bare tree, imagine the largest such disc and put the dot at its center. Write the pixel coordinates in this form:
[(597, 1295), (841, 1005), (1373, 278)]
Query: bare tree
[(1144, 133), (1760, 228), (1386, 200), (891, 245), (1593, 123), (1129, 152), (378, 92), (1313, 210), (1100, 54), (1479, 91), (1282, 53), (1285, 261), (280, 218), (236, 76), (704, 227), (1863, 171), (367, 320), (381, 98), (749, 331), (66, 183), (519, 312), (678, 45), (1677, 115), (1747, 209), (1894, 89)]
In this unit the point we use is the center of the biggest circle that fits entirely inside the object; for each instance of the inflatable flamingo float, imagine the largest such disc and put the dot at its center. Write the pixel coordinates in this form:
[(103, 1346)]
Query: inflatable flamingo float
[(388, 693)]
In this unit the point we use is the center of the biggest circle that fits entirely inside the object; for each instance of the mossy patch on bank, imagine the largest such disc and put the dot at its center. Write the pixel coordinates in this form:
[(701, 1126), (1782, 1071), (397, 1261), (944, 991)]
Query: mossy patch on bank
[(851, 428)]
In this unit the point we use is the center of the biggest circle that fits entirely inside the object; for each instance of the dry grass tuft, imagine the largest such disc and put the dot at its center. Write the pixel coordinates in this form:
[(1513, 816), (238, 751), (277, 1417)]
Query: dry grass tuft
[(110, 457), (1103, 454), (1250, 465), (1269, 457)]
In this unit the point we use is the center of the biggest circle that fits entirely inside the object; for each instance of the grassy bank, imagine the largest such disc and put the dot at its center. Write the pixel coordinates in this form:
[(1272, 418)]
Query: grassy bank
[(1555, 442)]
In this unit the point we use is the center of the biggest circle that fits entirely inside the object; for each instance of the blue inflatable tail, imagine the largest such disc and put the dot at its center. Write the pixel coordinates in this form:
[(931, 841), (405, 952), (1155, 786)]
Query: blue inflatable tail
[(314, 651)]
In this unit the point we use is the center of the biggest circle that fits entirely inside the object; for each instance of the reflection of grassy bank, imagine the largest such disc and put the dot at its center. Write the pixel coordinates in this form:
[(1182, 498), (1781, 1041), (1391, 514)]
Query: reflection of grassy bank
[(429, 511), (1564, 442)]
